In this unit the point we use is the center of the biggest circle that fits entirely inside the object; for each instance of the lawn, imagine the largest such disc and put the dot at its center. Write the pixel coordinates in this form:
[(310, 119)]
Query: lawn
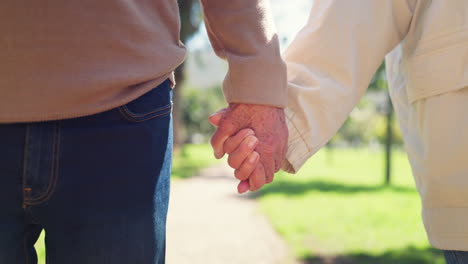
[(187, 162), (190, 159), (336, 210)]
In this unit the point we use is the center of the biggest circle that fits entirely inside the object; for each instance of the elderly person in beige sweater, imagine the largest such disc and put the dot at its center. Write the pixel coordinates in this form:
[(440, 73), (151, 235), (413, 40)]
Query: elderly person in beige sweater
[(330, 65)]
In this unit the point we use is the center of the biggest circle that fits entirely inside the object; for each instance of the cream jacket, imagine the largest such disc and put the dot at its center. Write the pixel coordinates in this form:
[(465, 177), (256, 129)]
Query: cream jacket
[(330, 65)]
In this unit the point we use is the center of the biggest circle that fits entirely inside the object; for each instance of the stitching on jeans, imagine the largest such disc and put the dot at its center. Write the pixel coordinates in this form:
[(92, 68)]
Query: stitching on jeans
[(132, 119), (457, 257), (453, 256), (135, 115), (34, 199), (53, 171), (25, 161)]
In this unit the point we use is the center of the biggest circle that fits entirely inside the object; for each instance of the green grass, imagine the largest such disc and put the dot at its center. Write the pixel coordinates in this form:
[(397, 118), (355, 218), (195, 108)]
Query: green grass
[(191, 159), (187, 162), (40, 249), (336, 207)]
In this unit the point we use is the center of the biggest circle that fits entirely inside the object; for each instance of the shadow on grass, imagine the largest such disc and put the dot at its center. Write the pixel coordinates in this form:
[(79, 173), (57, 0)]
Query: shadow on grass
[(299, 188), (410, 255)]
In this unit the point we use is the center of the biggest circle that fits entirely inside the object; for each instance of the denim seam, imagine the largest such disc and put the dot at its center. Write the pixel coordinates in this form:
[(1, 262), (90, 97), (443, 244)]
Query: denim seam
[(25, 247), (25, 162), (159, 109), (130, 118), (33, 219), (455, 257), (53, 171), (50, 174)]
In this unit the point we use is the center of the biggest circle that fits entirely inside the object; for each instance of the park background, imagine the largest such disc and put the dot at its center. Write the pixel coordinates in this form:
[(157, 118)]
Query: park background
[(354, 202)]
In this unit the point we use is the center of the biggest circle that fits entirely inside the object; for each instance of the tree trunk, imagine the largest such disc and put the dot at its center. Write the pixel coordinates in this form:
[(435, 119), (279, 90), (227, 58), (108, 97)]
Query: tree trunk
[(189, 25), (388, 142)]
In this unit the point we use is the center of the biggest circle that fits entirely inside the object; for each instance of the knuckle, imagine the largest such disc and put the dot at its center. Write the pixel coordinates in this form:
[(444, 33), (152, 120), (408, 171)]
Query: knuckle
[(241, 175), (232, 161), (227, 128), (266, 149), (246, 147), (245, 171), (216, 139), (229, 146), (268, 175), (260, 181), (244, 133)]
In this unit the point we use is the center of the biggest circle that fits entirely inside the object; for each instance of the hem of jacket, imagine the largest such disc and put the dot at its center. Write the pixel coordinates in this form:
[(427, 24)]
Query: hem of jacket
[(299, 150), (447, 227)]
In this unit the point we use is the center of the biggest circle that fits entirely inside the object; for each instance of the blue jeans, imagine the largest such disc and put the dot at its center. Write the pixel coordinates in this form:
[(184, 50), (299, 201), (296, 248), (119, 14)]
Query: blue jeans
[(456, 257), (98, 185)]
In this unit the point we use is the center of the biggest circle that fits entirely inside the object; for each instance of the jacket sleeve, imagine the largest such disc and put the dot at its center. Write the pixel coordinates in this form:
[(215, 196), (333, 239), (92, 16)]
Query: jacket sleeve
[(331, 63), (243, 33)]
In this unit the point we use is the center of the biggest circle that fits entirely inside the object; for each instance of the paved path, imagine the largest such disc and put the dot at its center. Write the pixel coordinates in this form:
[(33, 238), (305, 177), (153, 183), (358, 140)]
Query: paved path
[(209, 223)]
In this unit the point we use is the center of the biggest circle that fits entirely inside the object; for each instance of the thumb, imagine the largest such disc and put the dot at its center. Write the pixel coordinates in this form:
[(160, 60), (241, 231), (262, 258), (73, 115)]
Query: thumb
[(215, 118)]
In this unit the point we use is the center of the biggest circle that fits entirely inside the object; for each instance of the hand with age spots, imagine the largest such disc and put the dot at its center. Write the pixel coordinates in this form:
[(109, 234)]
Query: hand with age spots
[(255, 138)]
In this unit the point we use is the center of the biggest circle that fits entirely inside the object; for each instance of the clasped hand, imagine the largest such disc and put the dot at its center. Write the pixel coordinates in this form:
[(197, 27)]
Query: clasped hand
[(255, 139)]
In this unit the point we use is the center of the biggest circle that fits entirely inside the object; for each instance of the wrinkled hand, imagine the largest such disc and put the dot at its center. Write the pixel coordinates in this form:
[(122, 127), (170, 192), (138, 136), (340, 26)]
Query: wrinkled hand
[(242, 146), (270, 142)]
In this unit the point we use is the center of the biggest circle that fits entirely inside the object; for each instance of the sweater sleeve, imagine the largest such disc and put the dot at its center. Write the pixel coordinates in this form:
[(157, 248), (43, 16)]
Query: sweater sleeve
[(331, 63), (243, 33)]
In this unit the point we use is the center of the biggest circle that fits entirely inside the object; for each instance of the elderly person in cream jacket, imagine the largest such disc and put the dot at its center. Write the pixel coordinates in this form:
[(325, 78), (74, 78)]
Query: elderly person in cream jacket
[(330, 65)]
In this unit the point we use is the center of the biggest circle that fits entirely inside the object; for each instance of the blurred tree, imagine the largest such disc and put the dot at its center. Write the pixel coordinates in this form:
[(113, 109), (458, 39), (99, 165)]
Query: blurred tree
[(197, 106), (380, 130), (191, 17), (379, 82), (359, 129)]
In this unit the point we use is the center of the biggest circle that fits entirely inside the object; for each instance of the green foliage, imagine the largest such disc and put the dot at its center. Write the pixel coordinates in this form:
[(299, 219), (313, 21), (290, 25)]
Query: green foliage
[(337, 207), (380, 130), (360, 125), (197, 106), (379, 80), (367, 122)]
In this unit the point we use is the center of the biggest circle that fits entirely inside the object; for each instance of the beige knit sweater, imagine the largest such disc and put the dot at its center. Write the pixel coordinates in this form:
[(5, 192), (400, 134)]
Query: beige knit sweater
[(64, 59)]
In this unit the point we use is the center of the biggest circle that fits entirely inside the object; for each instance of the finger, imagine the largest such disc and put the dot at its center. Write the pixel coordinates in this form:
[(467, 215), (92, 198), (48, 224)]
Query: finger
[(257, 179), (234, 142), (269, 179), (279, 157), (247, 167), (224, 131), (281, 153), (215, 118), (268, 170), (267, 159), (243, 186), (237, 157)]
